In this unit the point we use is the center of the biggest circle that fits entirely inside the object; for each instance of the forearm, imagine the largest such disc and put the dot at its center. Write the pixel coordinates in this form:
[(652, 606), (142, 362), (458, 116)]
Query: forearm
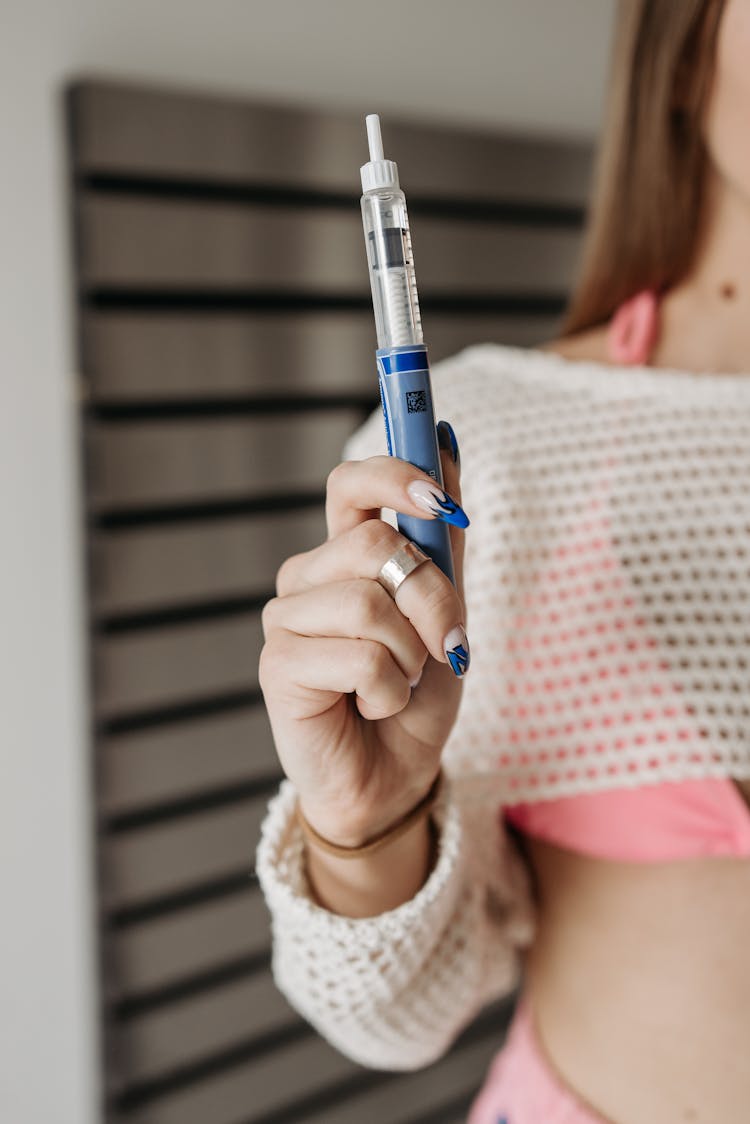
[(406, 954), (373, 884)]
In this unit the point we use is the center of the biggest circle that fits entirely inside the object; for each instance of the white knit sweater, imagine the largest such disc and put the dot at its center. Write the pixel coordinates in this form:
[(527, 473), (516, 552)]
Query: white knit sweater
[(607, 583)]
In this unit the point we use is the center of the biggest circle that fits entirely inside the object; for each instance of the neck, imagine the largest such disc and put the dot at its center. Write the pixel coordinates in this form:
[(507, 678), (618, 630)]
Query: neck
[(706, 318)]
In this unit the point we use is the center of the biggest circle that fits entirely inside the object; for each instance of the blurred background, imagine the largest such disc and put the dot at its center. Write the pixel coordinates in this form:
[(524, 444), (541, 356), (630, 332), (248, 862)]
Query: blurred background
[(187, 342)]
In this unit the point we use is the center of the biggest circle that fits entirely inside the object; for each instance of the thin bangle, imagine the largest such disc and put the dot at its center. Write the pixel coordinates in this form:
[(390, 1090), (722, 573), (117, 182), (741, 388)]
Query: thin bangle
[(378, 841)]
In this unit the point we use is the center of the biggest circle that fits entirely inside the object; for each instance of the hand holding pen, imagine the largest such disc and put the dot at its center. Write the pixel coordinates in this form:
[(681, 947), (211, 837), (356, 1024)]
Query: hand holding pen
[(360, 742)]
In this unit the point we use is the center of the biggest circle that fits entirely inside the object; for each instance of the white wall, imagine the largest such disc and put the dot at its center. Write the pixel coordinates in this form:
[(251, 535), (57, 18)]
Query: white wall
[(525, 64), (47, 1064)]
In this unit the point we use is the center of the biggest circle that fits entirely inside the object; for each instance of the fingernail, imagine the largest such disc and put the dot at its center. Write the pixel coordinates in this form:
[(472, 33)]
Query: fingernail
[(415, 682), (447, 440), (456, 646), (434, 500)]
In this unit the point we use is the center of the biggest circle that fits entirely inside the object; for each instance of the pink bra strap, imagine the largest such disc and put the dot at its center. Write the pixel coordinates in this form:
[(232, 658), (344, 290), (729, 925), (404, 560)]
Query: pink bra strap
[(634, 328)]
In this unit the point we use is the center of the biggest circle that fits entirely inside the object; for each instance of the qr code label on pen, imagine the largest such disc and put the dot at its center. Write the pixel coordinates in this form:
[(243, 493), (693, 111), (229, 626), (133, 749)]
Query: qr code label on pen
[(416, 402)]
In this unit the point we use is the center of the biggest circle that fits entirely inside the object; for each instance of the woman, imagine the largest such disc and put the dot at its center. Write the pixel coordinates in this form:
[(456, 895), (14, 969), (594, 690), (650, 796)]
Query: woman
[(592, 831)]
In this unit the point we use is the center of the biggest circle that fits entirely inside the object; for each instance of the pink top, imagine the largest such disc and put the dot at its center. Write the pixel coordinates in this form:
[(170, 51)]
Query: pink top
[(658, 823), (683, 819)]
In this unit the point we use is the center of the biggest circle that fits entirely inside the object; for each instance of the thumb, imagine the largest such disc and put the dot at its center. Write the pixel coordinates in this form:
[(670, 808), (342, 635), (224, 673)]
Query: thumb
[(450, 459)]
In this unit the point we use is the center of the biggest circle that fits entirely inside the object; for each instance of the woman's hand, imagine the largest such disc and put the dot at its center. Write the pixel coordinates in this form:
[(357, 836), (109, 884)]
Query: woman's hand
[(360, 744)]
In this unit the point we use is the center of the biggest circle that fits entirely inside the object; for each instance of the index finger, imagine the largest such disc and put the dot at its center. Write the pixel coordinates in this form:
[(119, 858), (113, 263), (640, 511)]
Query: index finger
[(358, 490)]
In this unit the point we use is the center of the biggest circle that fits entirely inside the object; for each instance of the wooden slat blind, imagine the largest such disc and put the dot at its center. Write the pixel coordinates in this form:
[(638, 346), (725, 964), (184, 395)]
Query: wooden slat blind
[(226, 352)]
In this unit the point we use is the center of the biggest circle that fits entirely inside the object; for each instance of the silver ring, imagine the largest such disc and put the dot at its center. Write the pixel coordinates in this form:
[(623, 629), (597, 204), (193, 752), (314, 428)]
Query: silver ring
[(401, 563)]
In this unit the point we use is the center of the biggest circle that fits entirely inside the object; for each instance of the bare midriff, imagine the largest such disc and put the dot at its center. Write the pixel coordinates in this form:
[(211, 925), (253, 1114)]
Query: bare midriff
[(639, 978), (639, 984)]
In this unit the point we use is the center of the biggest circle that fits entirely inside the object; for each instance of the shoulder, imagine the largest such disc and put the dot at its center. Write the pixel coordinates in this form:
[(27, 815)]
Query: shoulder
[(590, 345)]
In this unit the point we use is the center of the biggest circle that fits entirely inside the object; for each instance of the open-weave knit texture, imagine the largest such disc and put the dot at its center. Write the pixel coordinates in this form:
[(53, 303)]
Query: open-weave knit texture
[(607, 582), (393, 991)]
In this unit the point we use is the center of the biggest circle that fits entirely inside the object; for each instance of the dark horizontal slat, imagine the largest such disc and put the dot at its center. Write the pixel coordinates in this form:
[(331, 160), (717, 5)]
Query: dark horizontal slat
[(217, 975), (136, 671), (161, 717), (403, 1097), (141, 569), (159, 953), (153, 515), (517, 212), (169, 763), (139, 130), (240, 1086), (205, 302), (183, 612), (166, 244), (239, 792), (138, 356), (309, 1081), (247, 405), (165, 859), (182, 1033), (188, 461), (130, 916)]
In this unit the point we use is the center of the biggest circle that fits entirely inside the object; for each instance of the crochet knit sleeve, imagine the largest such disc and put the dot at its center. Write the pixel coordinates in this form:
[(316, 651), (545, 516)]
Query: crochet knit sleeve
[(393, 991)]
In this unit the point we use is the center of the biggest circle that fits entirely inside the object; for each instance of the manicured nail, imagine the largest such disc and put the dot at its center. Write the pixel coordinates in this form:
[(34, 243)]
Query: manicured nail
[(434, 500), (415, 682), (447, 440), (457, 650)]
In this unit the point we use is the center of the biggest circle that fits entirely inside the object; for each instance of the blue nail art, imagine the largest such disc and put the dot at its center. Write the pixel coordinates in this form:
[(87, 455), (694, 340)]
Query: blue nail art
[(447, 440), (456, 648), (449, 511), (459, 660)]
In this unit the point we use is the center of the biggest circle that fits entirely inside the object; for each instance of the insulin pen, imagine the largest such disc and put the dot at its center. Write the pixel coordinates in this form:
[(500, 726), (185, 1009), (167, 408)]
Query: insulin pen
[(403, 370)]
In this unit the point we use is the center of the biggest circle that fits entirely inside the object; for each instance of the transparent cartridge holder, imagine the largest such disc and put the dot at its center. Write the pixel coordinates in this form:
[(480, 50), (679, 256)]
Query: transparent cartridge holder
[(392, 277)]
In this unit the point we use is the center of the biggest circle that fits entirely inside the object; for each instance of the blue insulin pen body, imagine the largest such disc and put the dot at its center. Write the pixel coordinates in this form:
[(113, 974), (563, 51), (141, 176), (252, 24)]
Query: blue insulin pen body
[(403, 369)]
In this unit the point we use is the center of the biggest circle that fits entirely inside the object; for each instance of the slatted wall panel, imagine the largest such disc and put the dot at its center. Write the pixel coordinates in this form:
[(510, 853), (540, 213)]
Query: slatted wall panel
[(226, 352)]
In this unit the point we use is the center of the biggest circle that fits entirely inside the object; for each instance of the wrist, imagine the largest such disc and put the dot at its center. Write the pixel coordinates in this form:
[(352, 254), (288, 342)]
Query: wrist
[(374, 884), (357, 839)]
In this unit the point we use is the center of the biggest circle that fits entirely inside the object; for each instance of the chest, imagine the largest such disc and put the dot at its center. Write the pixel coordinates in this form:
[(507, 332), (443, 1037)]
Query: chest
[(608, 596)]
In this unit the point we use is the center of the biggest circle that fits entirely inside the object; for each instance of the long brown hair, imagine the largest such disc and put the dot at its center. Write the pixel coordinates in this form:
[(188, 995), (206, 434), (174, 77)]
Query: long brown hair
[(649, 184)]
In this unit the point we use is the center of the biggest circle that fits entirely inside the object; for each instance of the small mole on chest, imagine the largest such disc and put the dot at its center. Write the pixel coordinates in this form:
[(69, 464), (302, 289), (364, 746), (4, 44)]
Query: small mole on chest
[(728, 291)]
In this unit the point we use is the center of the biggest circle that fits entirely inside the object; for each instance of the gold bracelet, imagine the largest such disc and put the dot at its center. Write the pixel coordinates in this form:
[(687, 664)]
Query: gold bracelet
[(387, 836)]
